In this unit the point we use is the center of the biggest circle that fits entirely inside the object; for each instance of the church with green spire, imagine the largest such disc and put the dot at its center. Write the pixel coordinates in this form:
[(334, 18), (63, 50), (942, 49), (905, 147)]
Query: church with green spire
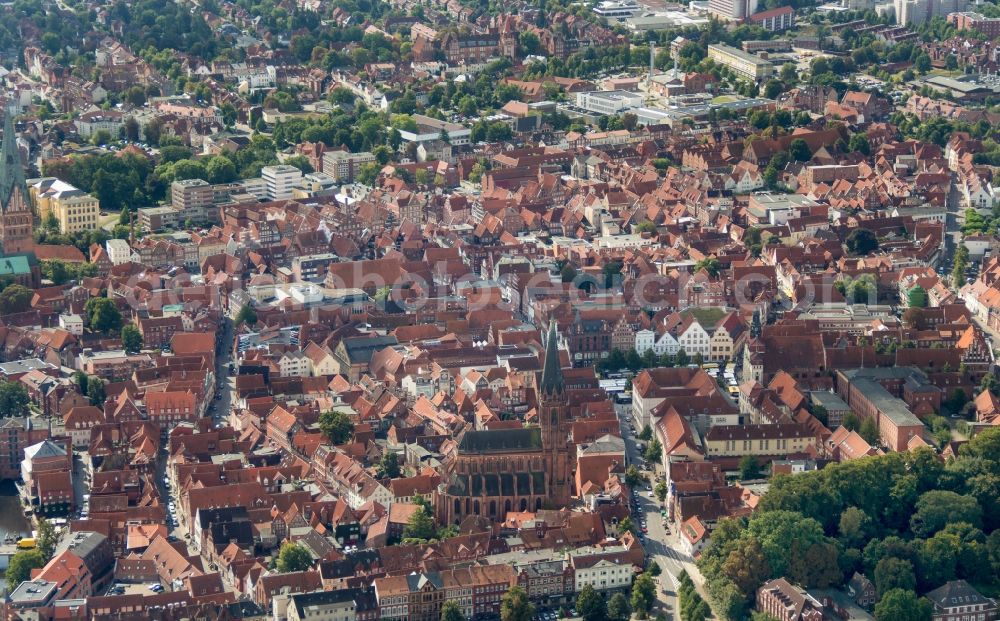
[(17, 219), (497, 471)]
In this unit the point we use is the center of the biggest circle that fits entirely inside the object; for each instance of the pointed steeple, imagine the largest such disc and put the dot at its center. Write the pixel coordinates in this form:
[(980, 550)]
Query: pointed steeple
[(11, 172), (552, 378)]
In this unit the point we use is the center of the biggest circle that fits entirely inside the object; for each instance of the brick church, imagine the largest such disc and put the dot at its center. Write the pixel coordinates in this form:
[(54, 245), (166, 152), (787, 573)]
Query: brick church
[(526, 469), (16, 215)]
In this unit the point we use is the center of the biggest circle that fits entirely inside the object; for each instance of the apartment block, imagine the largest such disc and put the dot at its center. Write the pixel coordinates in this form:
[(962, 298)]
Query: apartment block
[(732, 9), (344, 165), (193, 198)]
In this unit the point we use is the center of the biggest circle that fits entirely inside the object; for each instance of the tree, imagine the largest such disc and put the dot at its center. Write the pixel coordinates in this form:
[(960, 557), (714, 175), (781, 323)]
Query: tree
[(95, 391), (131, 129), (661, 490), (618, 608), (653, 452), (799, 150), (643, 593), (451, 611), (869, 431), (710, 265), (514, 605), (646, 434), (900, 605), (627, 525), (917, 297), (936, 509), (337, 426), (749, 468), (591, 605), (851, 421), (293, 557), (15, 299), (48, 538), (14, 399), (388, 466), (221, 169), (102, 315), (246, 315), (81, 380), (20, 566), (420, 526), (131, 338), (853, 527), (55, 270), (859, 144), (773, 88), (746, 566), (894, 573), (632, 476), (682, 359), (862, 242), (567, 273)]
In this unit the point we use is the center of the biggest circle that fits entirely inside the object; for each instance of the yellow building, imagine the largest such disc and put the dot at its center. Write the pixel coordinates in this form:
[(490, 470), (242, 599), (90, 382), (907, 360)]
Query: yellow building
[(74, 209), (761, 440), (747, 66)]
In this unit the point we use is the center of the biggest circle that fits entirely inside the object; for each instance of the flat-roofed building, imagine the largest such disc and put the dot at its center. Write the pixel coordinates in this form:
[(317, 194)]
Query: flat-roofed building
[(608, 102), (744, 65)]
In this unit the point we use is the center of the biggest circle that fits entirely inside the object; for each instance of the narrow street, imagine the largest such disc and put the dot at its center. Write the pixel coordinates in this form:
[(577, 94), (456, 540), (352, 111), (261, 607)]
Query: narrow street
[(660, 543)]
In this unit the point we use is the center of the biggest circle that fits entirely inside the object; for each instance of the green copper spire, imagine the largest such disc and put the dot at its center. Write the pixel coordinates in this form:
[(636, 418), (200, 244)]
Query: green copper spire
[(552, 377), (11, 172)]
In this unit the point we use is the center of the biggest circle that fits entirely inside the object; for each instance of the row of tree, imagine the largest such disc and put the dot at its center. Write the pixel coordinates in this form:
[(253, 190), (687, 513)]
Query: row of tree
[(906, 520)]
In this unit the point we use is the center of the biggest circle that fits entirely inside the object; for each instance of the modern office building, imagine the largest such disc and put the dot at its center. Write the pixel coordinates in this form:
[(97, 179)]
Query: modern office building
[(608, 102), (280, 180)]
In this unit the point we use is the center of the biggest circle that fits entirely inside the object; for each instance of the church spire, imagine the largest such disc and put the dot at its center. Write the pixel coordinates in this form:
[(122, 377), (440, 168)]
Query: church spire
[(11, 172), (552, 378)]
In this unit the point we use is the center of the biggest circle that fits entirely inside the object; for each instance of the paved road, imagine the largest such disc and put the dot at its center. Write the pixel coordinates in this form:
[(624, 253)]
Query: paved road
[(657, 542)]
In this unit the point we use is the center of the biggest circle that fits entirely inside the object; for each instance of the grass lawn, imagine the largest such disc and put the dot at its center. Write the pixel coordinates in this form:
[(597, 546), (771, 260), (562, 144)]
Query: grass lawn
[(725, 99), (707, 316)]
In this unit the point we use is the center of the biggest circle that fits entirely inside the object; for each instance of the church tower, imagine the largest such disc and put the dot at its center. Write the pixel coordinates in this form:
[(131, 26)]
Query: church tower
[(552, 410), (16, 215)]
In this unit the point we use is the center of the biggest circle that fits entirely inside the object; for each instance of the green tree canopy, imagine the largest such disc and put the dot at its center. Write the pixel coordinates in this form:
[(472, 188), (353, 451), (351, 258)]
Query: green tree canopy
[(917, 297), (246, 315), (900, 605), (337, 426), (643, 593), (591, 605), (938, 508), (14, 399), (618, 608), (861, 241), (15, 299), (95, 391), (102, 315), (451, 611), (515, 606), (131, 338), (20, 566), (293, 557)]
